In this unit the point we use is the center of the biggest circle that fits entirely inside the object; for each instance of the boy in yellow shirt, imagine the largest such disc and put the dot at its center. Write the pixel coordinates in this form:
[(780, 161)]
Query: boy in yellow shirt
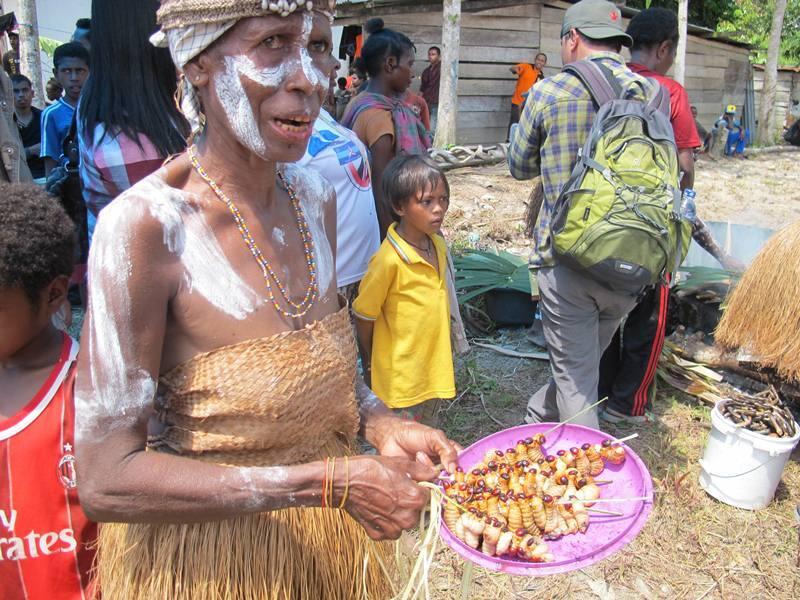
[(402, 309)]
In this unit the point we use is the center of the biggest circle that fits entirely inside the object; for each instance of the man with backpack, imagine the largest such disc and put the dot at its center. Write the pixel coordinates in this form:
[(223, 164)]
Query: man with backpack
[(609, 226)]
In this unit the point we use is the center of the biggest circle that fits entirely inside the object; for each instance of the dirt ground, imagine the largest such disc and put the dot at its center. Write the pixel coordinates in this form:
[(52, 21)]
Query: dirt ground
[(764, 191), (693, 546)]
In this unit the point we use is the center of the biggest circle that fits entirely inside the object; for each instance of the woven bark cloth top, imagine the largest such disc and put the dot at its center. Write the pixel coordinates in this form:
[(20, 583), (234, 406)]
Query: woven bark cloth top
[(276, 400)]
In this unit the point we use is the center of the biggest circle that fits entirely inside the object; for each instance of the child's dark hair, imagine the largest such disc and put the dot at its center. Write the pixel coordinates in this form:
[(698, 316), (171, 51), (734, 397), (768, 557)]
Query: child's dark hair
[(37, 239), (342, 82), (17, 79), (70, 50), (381, 44), (408, 177), (652, 27)]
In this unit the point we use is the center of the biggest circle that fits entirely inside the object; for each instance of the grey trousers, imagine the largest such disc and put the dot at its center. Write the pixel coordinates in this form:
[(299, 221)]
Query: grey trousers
[(579, 317)]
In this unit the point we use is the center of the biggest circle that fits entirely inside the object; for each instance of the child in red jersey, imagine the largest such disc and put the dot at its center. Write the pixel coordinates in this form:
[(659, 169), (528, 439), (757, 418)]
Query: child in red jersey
[(44, 535)]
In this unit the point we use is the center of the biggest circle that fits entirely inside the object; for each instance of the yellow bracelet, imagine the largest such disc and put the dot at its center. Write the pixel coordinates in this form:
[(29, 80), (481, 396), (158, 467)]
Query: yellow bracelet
[(347, 481), (331, 480)]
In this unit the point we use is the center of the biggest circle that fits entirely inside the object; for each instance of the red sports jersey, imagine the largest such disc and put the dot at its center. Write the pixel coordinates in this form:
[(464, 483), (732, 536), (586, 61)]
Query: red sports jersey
[(43, 531)]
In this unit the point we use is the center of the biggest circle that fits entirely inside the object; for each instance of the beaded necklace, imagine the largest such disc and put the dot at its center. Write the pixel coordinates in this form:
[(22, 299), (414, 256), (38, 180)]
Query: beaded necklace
[(267, 272)]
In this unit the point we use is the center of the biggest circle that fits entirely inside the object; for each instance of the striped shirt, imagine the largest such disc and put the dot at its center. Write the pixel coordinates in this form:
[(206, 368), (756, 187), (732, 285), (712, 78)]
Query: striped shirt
[(110, 165), (555, 124), (56, 121)]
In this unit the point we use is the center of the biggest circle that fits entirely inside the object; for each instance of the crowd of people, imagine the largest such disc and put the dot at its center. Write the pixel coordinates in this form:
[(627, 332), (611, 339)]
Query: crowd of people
[(236, 253)]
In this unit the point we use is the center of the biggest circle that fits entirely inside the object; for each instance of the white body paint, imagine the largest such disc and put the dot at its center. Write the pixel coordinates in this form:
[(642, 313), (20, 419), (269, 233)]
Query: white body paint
[(206, 270), (118, 392), (313, 195), (279, 237), (259, 481)]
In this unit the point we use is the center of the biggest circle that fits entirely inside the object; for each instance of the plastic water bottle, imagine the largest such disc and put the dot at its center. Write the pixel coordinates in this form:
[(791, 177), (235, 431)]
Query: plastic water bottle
[(689, 205)]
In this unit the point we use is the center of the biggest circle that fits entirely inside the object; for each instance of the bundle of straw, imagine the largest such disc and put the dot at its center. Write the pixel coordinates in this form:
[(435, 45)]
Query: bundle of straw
[(763, 313)]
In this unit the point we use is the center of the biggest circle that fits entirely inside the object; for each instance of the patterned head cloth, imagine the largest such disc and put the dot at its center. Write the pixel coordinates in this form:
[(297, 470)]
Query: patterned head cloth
[(190, 26)]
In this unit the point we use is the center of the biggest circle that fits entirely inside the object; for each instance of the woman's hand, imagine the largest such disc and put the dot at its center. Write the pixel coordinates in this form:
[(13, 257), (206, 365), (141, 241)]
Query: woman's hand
[(383, 494), (414, 441)]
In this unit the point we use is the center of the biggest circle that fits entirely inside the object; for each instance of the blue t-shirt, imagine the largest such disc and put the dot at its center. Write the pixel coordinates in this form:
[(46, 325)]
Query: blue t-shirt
[(56, 121)]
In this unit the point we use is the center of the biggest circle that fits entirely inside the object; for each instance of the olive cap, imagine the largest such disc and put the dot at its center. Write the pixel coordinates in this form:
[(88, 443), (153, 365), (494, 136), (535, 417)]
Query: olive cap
[(597, 20)]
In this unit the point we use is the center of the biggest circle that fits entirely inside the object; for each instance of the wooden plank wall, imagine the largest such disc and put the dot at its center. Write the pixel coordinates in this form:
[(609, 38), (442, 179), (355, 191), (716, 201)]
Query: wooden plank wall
[(495, 40), (788, 89)]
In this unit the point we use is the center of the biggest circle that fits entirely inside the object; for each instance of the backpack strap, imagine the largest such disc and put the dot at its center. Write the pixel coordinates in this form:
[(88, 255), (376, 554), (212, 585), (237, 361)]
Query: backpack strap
[(598, 80), (660, 101)]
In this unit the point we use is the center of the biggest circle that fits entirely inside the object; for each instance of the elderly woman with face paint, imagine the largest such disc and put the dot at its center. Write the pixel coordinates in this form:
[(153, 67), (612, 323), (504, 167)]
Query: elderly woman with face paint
[(217, 397)]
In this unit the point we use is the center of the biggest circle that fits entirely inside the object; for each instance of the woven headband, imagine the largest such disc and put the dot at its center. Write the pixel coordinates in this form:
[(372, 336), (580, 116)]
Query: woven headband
[(182, 13)]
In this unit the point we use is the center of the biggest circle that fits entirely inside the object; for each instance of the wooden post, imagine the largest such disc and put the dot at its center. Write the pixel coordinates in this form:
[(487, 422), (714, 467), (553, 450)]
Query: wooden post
[(683, 27), (448, 84), (766, 130), (29, 49)]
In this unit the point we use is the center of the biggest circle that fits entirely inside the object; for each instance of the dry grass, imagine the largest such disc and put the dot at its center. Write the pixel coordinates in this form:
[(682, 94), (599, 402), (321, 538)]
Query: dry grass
[(773, 280), (692, 547)]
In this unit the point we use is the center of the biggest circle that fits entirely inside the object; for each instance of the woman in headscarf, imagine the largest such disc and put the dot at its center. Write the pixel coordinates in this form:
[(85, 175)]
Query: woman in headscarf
[(381, 115), (217, 398)]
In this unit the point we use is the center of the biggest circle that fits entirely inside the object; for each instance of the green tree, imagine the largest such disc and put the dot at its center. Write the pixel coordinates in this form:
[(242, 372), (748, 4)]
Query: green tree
[(751, 21), (707, 13)]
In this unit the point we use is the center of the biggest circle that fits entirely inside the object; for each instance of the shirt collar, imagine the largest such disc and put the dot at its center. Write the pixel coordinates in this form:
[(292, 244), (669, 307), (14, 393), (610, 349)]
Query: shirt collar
[(407, 252), (617, 58)]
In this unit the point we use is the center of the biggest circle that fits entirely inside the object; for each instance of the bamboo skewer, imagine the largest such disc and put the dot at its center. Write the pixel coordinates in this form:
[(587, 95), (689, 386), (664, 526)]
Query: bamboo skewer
[(607, 500), (627, 438), (575, 416), (610, 513)]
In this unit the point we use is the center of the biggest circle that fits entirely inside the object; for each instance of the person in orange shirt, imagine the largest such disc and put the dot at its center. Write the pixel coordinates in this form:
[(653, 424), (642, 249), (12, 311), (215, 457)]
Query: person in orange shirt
[(527, 76)]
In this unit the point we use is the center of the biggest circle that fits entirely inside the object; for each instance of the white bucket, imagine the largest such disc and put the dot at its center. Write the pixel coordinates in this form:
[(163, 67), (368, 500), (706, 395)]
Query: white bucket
[(740, 467)]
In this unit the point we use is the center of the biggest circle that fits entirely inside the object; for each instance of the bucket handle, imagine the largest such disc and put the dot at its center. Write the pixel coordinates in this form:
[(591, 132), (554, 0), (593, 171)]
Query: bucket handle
[(724, 476)]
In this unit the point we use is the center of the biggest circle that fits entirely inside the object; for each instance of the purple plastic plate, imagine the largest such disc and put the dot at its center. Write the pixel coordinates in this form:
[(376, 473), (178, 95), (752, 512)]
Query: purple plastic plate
[(606, 534)]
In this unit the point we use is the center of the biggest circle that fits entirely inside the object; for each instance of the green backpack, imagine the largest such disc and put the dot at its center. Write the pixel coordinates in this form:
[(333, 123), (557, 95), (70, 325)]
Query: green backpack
[(618, 218)]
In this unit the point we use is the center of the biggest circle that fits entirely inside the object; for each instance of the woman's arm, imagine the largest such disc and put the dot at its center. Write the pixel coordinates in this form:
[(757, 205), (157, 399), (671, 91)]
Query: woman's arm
[(134, 275), (382, 153)]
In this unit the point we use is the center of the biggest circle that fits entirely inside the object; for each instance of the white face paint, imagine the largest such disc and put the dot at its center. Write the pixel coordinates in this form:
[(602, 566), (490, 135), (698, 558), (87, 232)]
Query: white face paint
[(236, 104), (311, 190), (234, 101), (317, 78), (118, 392)]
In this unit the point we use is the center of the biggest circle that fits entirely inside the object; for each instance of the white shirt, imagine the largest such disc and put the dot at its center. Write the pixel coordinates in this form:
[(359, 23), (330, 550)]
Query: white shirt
[(339, 156)]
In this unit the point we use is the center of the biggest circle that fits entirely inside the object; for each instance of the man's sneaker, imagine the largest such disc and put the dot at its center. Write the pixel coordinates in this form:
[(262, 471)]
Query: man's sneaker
[(614, 416)]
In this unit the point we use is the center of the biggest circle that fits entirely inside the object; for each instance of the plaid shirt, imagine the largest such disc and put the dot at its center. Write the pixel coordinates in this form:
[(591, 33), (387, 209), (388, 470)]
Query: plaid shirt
[(110, 165), (555, 124)]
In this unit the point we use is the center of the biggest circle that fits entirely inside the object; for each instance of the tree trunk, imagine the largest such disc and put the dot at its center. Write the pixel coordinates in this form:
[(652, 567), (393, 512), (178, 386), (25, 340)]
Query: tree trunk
[(448, 84), (683, 27), (29, 49), (766, 131)]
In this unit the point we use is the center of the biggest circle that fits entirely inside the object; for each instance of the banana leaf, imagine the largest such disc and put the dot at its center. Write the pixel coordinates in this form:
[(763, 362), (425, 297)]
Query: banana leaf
[(478, 272)]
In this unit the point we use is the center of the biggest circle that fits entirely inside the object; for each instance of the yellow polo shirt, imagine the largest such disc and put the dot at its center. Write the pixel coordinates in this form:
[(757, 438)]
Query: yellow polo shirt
[(412, 360)]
